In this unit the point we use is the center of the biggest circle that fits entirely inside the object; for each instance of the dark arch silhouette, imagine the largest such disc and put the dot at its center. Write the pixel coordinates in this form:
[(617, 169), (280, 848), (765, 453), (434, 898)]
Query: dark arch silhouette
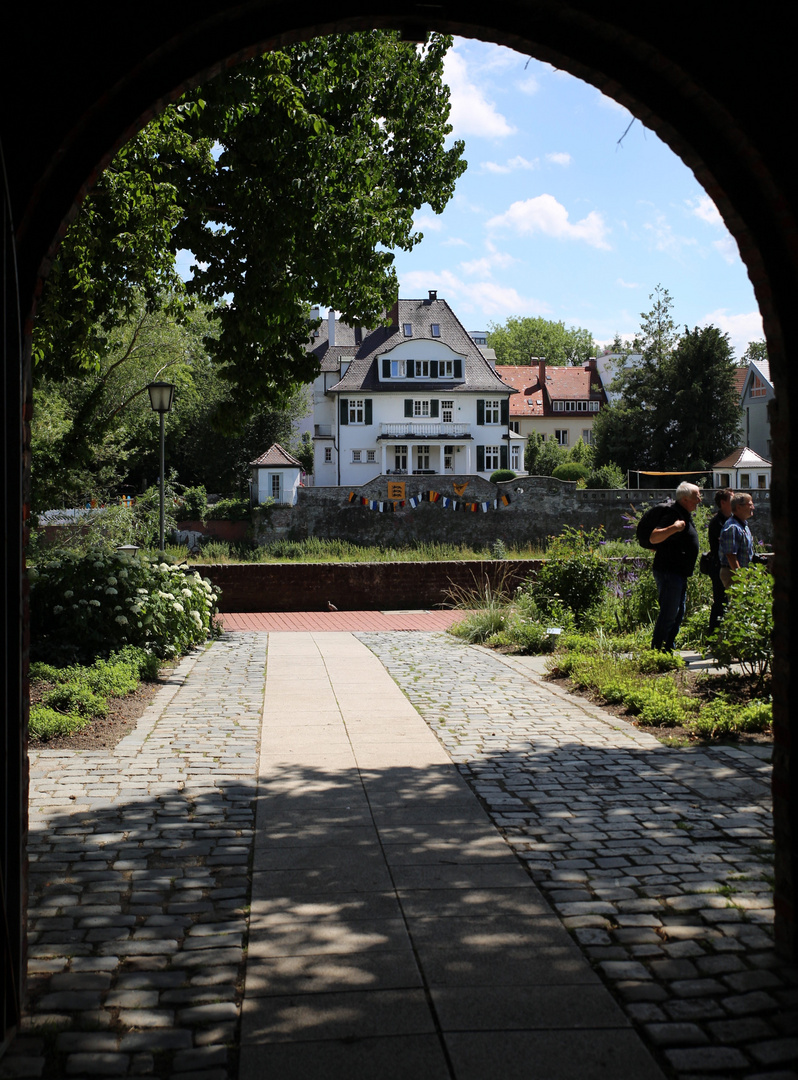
[(75, 89)]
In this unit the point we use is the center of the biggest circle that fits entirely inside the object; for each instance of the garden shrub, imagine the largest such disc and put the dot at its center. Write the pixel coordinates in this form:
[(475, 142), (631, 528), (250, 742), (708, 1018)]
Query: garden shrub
[(233, 509), (575, 578), (744, 635), (46, 723), (71, 697), (607, 476), (195, 503), (571, 470), (87, 607), (479, 625), (501, 475)]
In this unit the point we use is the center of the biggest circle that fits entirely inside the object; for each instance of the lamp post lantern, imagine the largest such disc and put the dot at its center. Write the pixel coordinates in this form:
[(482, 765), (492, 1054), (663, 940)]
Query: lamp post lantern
[(161, 397)]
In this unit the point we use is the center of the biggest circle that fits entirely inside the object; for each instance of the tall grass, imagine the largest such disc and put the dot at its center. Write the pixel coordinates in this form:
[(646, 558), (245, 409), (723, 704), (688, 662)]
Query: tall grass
[(316, 549)]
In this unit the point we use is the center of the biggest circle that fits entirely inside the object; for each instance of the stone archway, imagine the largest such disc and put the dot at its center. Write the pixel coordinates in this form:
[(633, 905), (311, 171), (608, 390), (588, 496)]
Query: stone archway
[(709, 89)]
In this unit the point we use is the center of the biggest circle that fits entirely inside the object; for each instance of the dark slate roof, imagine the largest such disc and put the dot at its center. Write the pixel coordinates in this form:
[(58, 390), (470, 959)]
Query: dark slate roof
[(274, 456), (363, 374)]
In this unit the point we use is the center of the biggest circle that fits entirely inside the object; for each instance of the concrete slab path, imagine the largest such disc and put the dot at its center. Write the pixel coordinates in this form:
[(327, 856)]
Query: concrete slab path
[(393, 933)]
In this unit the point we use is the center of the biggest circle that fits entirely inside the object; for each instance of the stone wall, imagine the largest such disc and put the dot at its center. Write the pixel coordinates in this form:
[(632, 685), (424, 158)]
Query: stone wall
[(539, 507)]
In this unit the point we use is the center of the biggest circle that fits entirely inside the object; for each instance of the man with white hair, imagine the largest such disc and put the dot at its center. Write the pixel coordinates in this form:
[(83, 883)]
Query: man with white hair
[(676, 545)]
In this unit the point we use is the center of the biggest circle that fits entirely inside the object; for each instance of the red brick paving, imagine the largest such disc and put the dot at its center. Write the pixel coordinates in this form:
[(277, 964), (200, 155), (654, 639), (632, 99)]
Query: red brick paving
[(282, 621)]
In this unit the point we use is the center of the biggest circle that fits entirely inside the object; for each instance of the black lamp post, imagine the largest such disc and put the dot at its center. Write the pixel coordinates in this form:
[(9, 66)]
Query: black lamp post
[(161, 396)]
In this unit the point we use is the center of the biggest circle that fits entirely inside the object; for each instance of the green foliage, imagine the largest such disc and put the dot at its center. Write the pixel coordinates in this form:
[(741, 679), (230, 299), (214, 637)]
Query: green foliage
[(502, 474), (744, 635), (498, 549), (525, 637), (479, 625), (542, 456), (90, 606), (195, 503), (606, 476), (289, 177), (679, 409), (573, 573), (232, 509), (78, 694), (519, 339), (571, 470)]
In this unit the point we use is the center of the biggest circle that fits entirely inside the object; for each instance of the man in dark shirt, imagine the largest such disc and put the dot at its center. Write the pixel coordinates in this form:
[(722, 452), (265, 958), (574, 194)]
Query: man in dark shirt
[(736, 545), (675, 542), (723, 500)]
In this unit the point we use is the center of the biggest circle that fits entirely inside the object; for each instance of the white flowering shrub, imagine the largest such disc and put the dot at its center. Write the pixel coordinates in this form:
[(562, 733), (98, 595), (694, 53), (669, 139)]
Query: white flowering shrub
[(90, 605)]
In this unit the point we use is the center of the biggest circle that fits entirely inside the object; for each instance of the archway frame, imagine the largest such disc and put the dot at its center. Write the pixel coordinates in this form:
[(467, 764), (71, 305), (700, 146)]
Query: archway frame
[(674, 71)]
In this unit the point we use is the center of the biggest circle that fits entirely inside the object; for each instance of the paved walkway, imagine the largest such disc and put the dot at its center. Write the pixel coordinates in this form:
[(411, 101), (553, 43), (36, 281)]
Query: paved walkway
[(392, 930)]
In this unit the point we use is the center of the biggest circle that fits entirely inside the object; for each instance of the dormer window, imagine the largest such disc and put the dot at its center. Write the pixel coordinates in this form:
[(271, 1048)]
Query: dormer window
[(436, 329), (408, 329)]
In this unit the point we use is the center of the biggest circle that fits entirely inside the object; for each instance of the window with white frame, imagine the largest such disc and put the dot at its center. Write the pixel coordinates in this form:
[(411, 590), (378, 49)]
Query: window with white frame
[(356, 455), (515, 457), (436, 329), (357, 411), (448, 458), (761, 480), (423, 457), (408, 329), (420, 408), (758, 388), (371, 456), (446, 369), (400, 459), (492, 411), (491, 458), (561, 435), (328, 453), (587, 436), (575, 406), (447, 412), (276, 480), (398, 369), (421, 368), (745, 480), (515, 425)]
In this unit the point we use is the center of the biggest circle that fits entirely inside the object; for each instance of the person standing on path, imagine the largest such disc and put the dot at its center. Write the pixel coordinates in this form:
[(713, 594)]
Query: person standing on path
[(723, 500), (676, 544), (736, 546)]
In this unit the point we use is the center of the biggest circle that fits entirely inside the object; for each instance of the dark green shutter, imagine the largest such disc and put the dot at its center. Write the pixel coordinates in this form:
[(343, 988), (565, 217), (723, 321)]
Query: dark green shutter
[(505, 413), (408, 406), (344, 410), (458, 367), (504, 460), (433, 369), (480, 459), (480, 410), (434, 409), (368, 413), (386, 367)]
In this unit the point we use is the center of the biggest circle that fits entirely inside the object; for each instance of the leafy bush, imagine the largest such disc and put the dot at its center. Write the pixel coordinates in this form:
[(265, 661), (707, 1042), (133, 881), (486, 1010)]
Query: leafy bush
[(571, 470), (607, 476), (72, 697), (229, 510), (744, 635), (478, 626), (87, 607), (576, 580), (501, 475), (46, 723), (195, 503)]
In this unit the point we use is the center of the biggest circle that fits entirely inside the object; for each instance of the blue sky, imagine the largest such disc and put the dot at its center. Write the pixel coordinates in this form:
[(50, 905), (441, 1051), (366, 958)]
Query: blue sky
[(554, 218)]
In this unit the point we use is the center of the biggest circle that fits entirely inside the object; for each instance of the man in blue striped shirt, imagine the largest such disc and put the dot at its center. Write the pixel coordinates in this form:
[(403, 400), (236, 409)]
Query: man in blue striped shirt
[(736, 546)]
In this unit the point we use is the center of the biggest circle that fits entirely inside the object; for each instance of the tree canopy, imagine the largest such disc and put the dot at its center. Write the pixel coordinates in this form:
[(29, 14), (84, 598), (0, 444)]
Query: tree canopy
[(290, 178), (519, 339), (679, 408)]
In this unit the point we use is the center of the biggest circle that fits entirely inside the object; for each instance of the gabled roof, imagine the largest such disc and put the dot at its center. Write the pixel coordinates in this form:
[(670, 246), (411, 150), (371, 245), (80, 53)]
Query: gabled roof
[(363, 373), (742, 458), (760, 368), (276, 456), (559, 384)]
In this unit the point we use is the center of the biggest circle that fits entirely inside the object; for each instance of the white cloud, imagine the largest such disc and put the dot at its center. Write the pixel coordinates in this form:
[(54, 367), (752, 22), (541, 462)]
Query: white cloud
[(485, 266), (544, 214), (727, 249), (428, 222), (528, 85), (704, 208), (455, 241), (559, 158), (471, 112), (481, 299), (740, 328), (627, 284), (664, 239), (512, 165)]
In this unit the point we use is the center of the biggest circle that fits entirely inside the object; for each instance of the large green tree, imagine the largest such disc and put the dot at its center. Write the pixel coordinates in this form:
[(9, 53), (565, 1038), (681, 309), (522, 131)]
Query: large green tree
[(519, 339), (679, 410), (291, 179)]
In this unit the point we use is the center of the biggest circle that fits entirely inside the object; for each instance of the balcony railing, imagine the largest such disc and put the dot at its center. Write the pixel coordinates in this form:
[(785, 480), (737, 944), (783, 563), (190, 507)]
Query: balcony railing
[(411, 429)]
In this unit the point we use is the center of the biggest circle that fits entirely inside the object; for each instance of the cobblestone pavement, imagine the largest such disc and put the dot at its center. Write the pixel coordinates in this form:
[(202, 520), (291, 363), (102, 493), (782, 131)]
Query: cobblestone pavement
[(139, 884), (658, 860)]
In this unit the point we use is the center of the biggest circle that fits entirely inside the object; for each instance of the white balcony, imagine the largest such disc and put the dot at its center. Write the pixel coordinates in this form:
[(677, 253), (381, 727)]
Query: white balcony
[(414, 429)]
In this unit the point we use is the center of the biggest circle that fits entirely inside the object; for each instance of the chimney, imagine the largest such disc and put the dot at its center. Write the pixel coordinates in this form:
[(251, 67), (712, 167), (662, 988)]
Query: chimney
[(393, 315), (542, 372), (433, 295), (331, 327), (592, 365)]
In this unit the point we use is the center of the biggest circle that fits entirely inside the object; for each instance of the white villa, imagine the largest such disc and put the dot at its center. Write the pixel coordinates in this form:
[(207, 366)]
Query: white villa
[(414, 397)]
